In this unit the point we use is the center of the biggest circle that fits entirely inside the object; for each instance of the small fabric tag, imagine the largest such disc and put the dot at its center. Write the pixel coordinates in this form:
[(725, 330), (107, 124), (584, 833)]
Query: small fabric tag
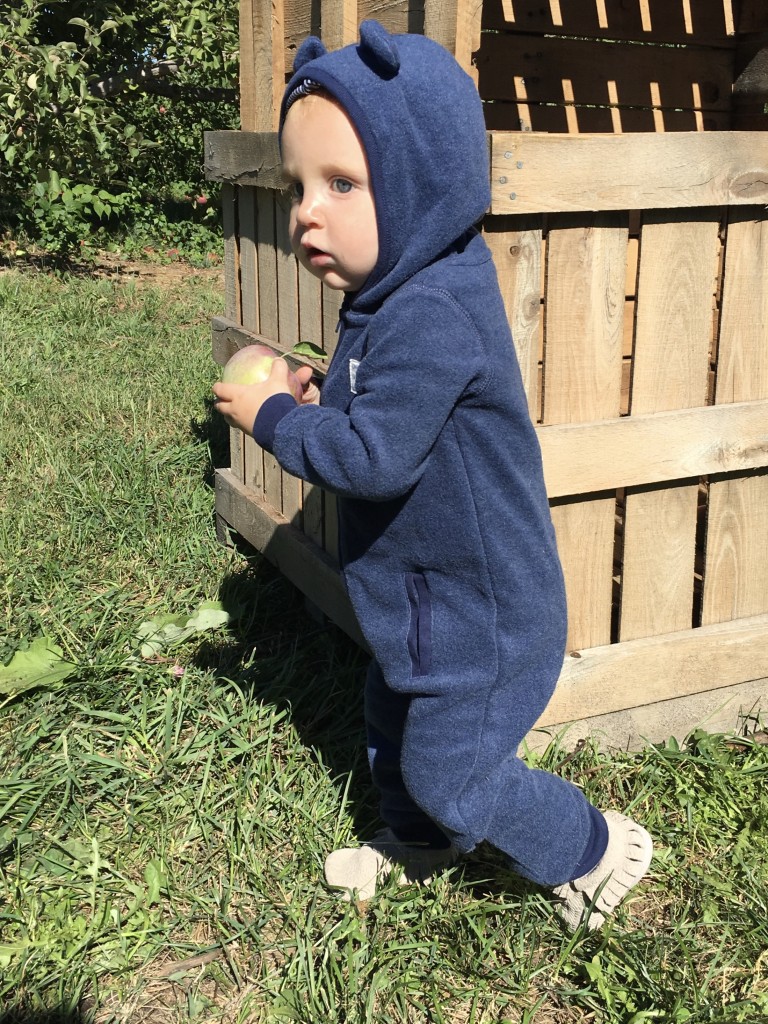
[(353, 365)]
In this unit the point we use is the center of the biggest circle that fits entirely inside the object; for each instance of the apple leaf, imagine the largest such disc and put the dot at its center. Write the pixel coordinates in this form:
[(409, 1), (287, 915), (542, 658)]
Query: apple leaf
[(168, 631), (41, 665), (307, 348)]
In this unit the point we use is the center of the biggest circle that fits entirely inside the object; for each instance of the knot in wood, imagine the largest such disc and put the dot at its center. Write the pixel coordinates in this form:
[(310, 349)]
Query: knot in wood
[(752, 185)]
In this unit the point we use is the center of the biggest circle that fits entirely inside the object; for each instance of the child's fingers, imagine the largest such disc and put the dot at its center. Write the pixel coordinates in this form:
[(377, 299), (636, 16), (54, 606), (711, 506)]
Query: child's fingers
[(226, 392)]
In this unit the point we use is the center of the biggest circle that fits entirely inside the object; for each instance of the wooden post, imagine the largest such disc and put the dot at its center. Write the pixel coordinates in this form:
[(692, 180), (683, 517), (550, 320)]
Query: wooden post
[(338, 20), (456, 25), (262, 64)]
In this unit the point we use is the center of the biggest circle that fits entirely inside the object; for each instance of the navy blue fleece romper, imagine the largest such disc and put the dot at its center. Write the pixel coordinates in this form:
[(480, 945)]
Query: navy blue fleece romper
[(423, 433)]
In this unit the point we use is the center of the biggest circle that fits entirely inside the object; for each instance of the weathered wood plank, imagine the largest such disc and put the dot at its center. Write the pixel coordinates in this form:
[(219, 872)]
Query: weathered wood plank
[(229, 209), (550, 173), (331, 306), (249, 272), (228, 337), (262, 63), (305, 564), (287, 277), (303, 18), (338, 19), (253, 457), (516, 246), (633, 450), (243, 158), (736, 564), (643, 671), (586, 261), (678, 260), (455, 24)]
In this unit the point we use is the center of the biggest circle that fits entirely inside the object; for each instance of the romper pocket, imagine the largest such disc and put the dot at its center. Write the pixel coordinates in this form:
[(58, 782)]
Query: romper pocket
[(420, 625)]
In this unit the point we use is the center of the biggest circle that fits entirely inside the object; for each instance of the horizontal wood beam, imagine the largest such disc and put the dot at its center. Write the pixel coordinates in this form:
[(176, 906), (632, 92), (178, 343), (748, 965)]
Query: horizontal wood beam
[(580, 458), (297, 557), (548, 173), (639, 672), (243, 158), (538, 172), (227, 337)]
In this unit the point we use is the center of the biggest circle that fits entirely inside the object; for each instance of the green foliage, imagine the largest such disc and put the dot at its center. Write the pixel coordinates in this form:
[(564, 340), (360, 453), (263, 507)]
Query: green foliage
[(82, 145)]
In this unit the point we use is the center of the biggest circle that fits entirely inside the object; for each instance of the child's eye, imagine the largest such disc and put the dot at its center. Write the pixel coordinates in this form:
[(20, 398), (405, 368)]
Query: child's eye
[(341, 185), (296, 190)]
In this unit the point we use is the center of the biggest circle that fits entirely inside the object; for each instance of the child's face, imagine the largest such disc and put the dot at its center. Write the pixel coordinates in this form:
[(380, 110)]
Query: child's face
[(333, 218)]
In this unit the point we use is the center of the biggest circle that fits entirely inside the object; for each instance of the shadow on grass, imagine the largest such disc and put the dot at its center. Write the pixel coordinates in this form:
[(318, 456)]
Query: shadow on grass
[(212, 430), (279, 654), (52, 1016)]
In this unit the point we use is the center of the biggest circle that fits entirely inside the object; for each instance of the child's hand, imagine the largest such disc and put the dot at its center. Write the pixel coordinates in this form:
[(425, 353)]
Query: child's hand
[(239, 404), (311, 394)]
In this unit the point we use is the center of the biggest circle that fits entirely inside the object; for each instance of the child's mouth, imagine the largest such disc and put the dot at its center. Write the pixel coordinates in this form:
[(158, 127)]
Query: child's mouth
[(317, 257)]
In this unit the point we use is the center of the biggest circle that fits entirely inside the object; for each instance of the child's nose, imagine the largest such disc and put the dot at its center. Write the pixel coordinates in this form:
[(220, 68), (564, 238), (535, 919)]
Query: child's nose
[(308, 212)]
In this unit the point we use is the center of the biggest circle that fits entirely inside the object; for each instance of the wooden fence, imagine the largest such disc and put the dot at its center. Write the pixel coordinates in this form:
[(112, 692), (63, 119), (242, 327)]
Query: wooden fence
[(634, 268)]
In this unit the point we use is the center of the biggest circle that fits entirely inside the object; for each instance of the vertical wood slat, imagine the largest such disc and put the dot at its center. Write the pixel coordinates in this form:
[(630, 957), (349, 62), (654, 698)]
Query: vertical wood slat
[(515, 244), (249, 280), (736, 559), (253, 468), (331, 306), (268, 325), (262, 64), (311, 330), (456, 25), (678, 260), (338, 19), (232, 309), (584, 307), (288, 330)]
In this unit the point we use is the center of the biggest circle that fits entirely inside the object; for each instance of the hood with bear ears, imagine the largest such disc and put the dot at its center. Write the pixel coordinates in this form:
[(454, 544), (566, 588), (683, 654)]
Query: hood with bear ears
[(420, 119)]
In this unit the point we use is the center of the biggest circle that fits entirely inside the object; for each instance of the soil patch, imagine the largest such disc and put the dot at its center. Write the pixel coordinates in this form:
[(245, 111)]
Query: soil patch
[(142, 272)]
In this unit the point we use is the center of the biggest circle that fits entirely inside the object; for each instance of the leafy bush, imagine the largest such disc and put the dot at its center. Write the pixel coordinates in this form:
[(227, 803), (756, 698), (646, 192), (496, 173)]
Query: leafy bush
[(105, 109)]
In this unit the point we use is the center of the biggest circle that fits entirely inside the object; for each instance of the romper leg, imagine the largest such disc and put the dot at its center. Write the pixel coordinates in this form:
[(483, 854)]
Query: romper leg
[(459, 764), (385, 716)]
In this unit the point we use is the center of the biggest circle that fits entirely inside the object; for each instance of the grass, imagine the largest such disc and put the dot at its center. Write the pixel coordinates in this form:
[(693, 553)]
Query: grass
[(163, 821)]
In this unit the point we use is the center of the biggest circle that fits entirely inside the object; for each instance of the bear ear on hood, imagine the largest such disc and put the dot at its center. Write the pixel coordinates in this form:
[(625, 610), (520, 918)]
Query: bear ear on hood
[(310, 49), (378, 50)]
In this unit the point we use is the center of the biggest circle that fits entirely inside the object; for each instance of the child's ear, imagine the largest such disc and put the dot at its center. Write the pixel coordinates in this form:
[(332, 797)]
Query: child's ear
[(378, 49), (310, 49)]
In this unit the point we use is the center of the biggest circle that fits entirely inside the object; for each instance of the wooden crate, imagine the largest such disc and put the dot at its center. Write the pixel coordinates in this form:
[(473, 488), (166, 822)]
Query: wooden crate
[(629, 225)]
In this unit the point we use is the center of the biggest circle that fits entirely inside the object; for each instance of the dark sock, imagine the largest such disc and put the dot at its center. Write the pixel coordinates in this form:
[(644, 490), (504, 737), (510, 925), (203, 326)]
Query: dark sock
[(424, 835), (597, 845)]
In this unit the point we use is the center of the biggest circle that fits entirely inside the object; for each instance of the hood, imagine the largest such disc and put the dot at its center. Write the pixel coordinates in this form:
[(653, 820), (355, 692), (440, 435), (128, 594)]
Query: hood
[(420, 119)]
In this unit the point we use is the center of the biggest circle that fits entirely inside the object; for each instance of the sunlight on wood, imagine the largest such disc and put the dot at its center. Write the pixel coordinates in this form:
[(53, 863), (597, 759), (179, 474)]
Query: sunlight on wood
[(613, 99), (730, 28), (508, 9), (645, 15), (688, 17), (658, 116), (570, 110), (697, 111), (557, 17), (602, 14), (523, 110)]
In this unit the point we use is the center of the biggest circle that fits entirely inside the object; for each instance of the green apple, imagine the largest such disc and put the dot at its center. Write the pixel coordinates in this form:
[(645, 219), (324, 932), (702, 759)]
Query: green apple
[(252, 365)]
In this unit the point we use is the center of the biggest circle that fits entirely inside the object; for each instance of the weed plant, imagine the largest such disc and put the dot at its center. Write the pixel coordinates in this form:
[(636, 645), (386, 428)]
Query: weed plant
[(163, 821)]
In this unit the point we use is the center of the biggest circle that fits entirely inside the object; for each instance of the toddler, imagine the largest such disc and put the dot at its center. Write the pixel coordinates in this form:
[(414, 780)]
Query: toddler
[(422, 431)]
